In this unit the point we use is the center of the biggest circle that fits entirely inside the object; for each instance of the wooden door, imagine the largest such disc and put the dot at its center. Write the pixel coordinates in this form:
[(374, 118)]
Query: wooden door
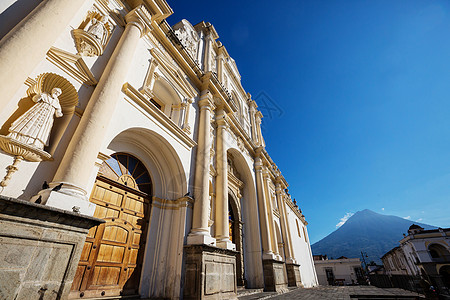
[(111, 260)]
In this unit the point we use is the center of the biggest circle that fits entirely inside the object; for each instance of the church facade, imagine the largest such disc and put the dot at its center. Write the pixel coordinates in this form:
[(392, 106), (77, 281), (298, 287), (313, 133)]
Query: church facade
[(141, 139)]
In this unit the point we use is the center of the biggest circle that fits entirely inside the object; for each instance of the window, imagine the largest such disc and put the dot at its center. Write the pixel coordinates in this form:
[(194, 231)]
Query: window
[(298, 228)]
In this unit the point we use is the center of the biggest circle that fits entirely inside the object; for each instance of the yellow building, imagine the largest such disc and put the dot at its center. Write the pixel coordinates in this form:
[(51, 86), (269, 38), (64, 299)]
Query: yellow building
[(134, 162)]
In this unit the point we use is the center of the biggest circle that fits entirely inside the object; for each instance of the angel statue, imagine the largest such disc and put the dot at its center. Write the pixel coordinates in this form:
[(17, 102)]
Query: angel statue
[(34, 126)]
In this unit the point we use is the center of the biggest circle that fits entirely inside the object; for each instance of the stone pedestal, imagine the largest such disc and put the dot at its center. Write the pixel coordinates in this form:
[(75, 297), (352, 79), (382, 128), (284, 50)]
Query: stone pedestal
[(40, 249), (274, 278), (210, 273), (293, 273)]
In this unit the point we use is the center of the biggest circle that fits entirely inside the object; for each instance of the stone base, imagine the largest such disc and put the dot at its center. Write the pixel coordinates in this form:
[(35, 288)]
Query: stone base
[(274, 278), (210, 273), (40, 249), (68, 197), (293, 273)]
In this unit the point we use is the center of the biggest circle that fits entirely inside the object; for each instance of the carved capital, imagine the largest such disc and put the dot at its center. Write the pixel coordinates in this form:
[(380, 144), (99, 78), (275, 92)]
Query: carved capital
[(141, 18), (206, 101)]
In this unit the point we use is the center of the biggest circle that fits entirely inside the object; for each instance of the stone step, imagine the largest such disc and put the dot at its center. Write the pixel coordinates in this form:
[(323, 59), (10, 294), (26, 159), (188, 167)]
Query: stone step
[(242, 291), (257, 296)]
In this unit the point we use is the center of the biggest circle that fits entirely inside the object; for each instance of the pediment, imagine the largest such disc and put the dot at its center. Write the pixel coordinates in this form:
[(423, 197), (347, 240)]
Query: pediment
[(174, 73), (72, 64)]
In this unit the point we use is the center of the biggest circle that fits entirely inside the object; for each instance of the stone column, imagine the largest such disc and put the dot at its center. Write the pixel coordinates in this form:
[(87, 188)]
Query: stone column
[(200, 232), (263, 209), (221, 220), (41, 28), (273, 234), (284, 224), (207, 55), (219, 62), (75, 170)]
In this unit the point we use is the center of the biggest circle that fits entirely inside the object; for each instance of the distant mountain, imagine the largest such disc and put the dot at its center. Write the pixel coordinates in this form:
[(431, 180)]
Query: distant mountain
[(365, 231)]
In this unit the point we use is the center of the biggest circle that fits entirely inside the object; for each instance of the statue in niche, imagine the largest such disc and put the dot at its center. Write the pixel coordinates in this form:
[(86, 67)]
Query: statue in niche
[(98, 29), (93, 34), (34, 126)]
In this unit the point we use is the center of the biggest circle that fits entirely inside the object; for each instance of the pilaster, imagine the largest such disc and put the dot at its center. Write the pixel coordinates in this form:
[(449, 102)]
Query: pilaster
[(222, 227), (263, 209), (200, 232)]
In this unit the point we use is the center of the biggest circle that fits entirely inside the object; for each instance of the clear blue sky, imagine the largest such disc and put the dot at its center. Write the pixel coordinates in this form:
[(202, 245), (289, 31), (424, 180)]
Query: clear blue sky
[(363, 88)]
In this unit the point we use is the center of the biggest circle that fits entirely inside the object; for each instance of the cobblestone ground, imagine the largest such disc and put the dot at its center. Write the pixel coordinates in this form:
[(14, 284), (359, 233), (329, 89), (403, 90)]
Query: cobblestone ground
[(344, 292)]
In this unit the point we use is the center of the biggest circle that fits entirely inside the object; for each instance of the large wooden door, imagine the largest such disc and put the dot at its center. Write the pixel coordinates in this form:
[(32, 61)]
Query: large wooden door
[(111, 259)]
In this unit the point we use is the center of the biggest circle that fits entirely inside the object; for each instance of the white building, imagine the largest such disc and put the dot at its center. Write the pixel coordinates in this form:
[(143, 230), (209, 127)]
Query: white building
[(342, 271), (427, 254), (153, 134)]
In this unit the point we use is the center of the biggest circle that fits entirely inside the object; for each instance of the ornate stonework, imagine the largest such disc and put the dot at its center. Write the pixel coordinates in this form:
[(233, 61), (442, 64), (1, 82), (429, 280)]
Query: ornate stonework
[(188, 37), (93, 34)]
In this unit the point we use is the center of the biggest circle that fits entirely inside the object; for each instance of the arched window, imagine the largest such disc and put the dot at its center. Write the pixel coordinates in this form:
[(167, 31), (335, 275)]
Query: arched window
[(438, 252), (127, 170)]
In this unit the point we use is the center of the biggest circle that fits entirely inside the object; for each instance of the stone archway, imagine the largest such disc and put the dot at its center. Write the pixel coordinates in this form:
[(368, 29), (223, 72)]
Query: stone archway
[(251, 237)]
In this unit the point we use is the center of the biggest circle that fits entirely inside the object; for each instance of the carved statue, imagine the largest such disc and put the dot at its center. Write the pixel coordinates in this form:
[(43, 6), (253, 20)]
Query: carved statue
[(98, 29), (34, 126)]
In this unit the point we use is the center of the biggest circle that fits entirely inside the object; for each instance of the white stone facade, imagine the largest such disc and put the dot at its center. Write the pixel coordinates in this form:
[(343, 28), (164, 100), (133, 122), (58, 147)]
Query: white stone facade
[(171, 98), (343, 271)]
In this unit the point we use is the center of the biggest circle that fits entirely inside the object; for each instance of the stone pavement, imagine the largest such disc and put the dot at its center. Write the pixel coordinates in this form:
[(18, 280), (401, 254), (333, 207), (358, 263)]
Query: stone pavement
[(339, 293)]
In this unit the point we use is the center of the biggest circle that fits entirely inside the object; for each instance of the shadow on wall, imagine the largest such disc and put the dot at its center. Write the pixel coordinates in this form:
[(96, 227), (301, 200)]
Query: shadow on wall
[(16, 12)]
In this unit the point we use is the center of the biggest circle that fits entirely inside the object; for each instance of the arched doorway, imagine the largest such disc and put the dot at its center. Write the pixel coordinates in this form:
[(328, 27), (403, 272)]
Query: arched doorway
[(245, 203), (111, 260), (235, 227)]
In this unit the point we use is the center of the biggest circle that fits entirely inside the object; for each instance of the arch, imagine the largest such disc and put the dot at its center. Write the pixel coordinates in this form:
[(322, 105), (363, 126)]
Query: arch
[(250, 229), (159, 157), (166, 96), (235, 223), (122, 195), (127, 170), (438, 252)]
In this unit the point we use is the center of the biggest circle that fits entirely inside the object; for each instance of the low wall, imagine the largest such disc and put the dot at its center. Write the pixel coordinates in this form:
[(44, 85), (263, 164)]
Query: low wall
[(40, 249)]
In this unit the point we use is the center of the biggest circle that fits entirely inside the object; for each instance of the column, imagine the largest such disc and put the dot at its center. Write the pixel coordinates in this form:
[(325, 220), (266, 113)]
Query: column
[(284, 223), (273, 234), (207, 55), (41, 28), (75, 170), (221, 217), (219, 62), (263, 210), (200, 232)]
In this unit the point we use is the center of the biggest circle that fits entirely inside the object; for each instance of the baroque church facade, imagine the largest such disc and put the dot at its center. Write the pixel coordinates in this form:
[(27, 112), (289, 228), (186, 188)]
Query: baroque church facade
[(133, 161)]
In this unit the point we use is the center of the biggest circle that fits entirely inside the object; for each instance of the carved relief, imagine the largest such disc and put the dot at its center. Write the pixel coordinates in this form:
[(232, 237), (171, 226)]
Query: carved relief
[(188, 37), (93, 34)]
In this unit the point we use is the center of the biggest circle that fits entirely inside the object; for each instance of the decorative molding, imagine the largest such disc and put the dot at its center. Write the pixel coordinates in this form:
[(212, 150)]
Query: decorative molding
[(171, 71), (157, 114), (72, 64)]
